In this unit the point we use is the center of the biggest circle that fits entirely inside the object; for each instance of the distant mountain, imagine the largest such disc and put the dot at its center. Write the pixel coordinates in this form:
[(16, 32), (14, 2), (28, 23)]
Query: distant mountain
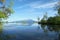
[(24, 22)]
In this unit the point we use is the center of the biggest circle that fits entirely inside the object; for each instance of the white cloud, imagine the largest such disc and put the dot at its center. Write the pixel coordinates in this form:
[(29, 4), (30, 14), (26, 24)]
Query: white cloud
[(20, 0), (28, 4), (48, 5), (21, 6), (38, 5)]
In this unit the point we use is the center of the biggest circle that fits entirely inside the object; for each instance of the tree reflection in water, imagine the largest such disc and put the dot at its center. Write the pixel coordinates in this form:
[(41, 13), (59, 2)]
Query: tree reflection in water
[(1, 31), (38, 27), (0, 27), (43, 26), (5, 37), (55, 28)]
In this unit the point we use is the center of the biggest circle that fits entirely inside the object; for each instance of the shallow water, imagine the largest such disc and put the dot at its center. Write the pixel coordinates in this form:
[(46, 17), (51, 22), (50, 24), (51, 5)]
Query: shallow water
[(33, 32)]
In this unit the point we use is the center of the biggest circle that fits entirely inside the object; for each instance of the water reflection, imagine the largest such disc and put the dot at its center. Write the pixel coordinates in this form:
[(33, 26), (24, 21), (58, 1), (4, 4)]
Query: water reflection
[(55, 28), (1, 27), (1, 31), (38, 27), (44, 27), (31, 32), (52, 28)]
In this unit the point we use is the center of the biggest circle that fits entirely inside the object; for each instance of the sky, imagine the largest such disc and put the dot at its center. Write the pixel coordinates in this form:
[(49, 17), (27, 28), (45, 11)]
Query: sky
[(32, 9)]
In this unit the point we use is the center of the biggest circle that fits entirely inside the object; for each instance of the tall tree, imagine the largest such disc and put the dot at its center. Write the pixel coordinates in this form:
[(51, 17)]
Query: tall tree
[(57, 7), (45, 16), (5, 10), (38, 19), (44, 19)]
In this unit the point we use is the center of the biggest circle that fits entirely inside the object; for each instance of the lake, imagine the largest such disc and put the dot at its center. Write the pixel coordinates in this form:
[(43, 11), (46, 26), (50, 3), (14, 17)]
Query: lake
[(31, 32)]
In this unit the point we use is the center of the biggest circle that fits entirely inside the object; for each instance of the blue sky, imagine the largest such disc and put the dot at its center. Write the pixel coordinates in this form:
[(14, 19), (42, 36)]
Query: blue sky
[(31, 9)]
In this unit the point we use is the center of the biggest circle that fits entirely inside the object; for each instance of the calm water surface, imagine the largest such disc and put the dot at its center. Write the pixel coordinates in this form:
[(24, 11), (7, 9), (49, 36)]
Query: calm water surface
[(33, 32)]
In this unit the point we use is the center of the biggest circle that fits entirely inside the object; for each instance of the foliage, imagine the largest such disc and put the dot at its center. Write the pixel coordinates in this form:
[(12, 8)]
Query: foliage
[(5, 10), (45, 16), (59, 11), (54, 20), (44, 19)]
